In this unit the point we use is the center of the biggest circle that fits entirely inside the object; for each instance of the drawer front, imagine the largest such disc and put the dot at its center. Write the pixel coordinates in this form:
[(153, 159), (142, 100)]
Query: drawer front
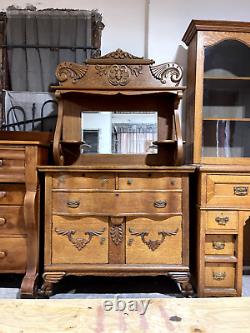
[(12, 194), (228, 190), (12, 163), (219, 244), (85, 180), (148, 181), (12, 220), (113, 203), (222, 220), (220, 275), (154, 241), (13, 254), (79, 240)]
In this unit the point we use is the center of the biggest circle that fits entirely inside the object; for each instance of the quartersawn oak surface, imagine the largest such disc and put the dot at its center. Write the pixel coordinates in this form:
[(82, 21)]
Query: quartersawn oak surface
[(202, 315)]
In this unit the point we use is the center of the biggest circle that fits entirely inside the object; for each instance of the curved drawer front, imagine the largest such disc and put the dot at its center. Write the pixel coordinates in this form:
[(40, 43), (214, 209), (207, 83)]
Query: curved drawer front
[(84, 180), (148, 181), (12, 164), (228, 190), (116, 203), (154, 241), (13, 254), (12, 194), (12, 220), (79, 240)]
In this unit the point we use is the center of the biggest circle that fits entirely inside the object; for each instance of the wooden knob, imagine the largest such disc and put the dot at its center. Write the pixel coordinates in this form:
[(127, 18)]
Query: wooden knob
[(1, 163), (2, 221), (3, 254), (2, 194)]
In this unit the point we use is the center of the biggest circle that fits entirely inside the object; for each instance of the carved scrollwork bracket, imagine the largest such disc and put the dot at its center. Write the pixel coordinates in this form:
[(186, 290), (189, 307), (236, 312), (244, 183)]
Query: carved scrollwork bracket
[(169, 71), (70, 71), (152, 244), (79, 242)]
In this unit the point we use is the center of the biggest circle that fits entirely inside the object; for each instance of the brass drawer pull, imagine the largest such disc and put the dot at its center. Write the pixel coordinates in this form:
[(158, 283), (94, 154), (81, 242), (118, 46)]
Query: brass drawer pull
[(2, 194), (160, 203), (219, 245), (222, 220), (241, 190), (3, 254), (1, 163), (73, 203), (129, 181), (219, 276), (2, 221)]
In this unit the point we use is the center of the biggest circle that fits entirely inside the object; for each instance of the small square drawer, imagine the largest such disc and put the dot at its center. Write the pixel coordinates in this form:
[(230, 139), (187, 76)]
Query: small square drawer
[(219, 275), (228, 190), (79, 240), (12, 220), (149, 181), (13, 254), (219, 244), (222, 220), (84, 180), (12, 194), (154, 241)]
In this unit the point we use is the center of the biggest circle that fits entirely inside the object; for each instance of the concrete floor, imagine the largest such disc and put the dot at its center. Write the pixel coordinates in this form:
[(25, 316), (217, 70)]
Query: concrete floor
[(104, 287)]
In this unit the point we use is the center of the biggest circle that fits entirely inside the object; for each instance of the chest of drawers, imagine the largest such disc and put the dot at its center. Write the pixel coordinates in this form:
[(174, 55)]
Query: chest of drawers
[(116, 222), (20, 153), (222, 211)]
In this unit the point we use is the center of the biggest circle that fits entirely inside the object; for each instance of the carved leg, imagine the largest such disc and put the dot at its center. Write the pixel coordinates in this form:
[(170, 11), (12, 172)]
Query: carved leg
[(50, 278), (183, 282), (29, 286)]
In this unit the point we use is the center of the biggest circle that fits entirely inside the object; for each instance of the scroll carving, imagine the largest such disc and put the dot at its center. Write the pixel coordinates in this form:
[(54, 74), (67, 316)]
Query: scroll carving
[(70, 71), (79, 242), (116, 233), (167, 71), (152, 244), (119, 75), (119, 54)]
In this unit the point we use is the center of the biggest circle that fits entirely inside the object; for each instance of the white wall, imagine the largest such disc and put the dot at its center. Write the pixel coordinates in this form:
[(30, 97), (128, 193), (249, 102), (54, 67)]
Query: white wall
[(125, 22)]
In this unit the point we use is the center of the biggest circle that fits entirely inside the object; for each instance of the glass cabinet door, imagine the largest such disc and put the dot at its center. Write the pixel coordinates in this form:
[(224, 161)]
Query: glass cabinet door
[(226, 100)]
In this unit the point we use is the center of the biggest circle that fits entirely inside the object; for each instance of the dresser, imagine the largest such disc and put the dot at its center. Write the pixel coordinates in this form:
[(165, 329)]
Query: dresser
[(20, 153), (118, 222), (117, 201)]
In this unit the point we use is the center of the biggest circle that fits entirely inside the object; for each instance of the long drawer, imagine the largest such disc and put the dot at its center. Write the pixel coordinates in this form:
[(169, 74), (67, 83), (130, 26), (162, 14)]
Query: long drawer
[(12, 220), (12, 194), (13, 254), (114, 203), (12, 164), (228, 190)]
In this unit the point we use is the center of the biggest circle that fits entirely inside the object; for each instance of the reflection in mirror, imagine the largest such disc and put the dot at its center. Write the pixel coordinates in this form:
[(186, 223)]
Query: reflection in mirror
[(119, 132)]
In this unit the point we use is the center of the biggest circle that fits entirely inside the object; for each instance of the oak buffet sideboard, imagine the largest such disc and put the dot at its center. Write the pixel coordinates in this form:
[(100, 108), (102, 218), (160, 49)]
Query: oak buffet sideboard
[(117, 214)]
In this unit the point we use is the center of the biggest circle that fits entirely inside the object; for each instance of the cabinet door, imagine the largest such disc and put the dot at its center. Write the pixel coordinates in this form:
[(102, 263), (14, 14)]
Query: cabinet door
[(154, 240), (79, 240)]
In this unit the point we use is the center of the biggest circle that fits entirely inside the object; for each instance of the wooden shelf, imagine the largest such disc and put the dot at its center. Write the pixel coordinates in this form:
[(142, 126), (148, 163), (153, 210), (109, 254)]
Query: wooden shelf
[(227, 119)]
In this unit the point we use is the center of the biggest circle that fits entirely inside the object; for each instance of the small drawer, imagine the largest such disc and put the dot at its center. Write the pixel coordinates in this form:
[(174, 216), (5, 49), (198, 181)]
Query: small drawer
[(12, 194), (220, 244), (13, 254), (12, 220), (85, 180), (113, 203), (79, 240), (222, 220), (148, 181), (219, 275), (154, 241), (228, 190)]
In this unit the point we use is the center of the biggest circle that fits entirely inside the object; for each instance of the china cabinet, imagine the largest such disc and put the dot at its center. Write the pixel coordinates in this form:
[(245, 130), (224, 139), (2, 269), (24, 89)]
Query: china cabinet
[(117, 213), (218, 127)]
